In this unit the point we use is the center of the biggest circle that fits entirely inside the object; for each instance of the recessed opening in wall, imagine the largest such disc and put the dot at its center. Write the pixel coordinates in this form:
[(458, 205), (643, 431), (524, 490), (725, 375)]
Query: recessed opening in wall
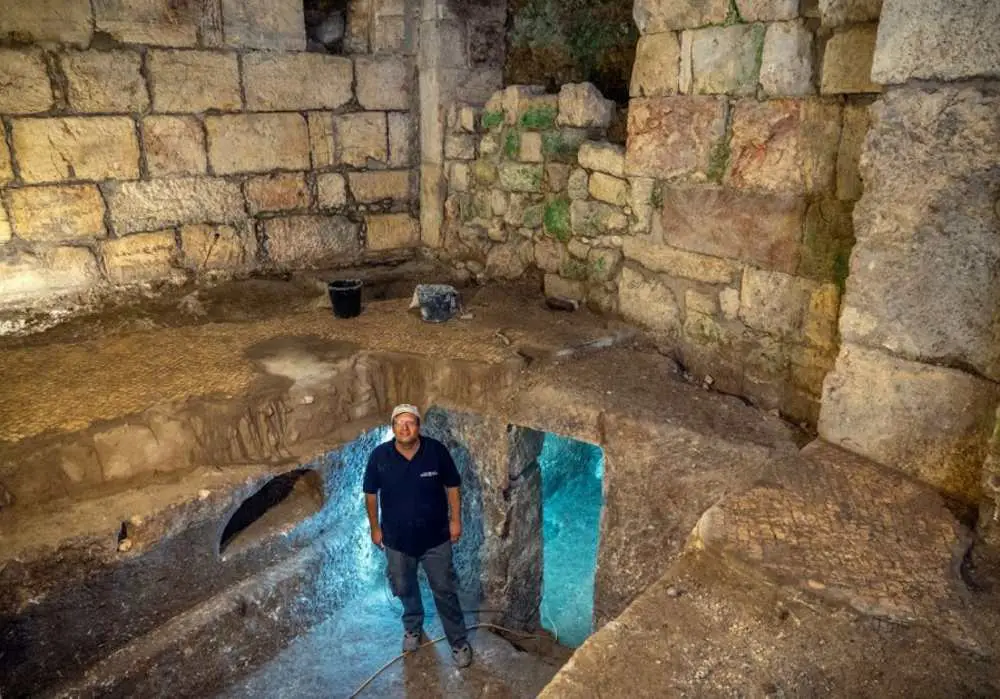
[(284, 502), (572, 498), (326, 25)]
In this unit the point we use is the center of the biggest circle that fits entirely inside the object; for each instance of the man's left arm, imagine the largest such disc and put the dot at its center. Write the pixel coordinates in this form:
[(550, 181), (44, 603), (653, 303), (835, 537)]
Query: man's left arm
[(454, 513)]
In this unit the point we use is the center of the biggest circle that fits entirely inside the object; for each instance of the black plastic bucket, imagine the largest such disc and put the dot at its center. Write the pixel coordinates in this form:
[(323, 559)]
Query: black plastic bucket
[(345, 295)]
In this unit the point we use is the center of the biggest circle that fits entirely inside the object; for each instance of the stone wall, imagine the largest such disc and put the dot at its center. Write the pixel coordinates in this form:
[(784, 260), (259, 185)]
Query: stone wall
[(917, 380), (151, 139)]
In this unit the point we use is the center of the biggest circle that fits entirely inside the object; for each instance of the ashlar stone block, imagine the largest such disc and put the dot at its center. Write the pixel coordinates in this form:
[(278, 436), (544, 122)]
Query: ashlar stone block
[(787, 62), (193, 81), (402, 140), (721, 60), (257, 142), (54, 214), (767, 10), (852, 139), (775, 303), (105, 81), (290, 81), (608, 189), (656, 70), (163, 203), (139, 257), (581, 105), (673, 136), (602, 157), (847, 61), (6, 167), (280, 191), (76, 148), (5, 230), (361, 139), (834, 13), (654, 16), (646, 300), (331, 190), (60, 21), (213, 247), (383, 82), (44, 273), (174, 145), (391, 231), (25, 80), (661, 258), (379, 185), (155, 22), (516, 177), (265, 24), (309, 241)]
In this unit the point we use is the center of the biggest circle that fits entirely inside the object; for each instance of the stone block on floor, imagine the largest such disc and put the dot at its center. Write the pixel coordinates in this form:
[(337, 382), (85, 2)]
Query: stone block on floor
[(139, 257), (310, 241), (28, 277), (646, 300), (390, 231)]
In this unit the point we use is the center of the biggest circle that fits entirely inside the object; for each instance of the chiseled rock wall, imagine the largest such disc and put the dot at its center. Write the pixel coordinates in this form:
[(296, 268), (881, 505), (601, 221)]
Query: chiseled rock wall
[(144, 139)]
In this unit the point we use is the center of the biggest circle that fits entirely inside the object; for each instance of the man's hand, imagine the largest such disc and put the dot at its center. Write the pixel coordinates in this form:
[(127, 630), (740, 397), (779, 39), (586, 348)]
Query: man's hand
[(455, 529), (377, 536)]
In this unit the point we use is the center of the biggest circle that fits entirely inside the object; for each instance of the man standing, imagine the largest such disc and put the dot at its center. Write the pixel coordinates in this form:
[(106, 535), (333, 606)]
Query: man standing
[(417, 483)]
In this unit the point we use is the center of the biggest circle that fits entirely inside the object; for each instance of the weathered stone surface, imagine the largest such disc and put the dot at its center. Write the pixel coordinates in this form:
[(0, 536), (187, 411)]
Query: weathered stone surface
[(265, 24), (213, 247), (193, 81), (603, 263), (5, 230), (680, 263), (847, 61), (836, 12), (459, 146), (852, 139), (359, 17), (158, 204), (931, 182), (390, 231), (649, 302), (643, 194), (509, 260), (62, 21), (174, 145), (280, 191), (764, 229), (402, 140), (930, 422), (531, 147), (594, 218), (139, 257), (459, 177), (673, 136), (820, 323), (105, 81), (296, 81), (84, 148), (383, 83), (556, 286), (26, 82), (550, 255), (767, 10), (360, 138), (378, 185), (44, 273), (577, 184), (515, 177), (774, 302), (331, 189), (602, 157), (257, 142), (307, 241), (656, 71), (49, 214), (937, 40), (784, 145), (321, 139), (389, 34), (721, 60), (156, 22), (653, 16), (827, 239), (582, 105), (6, 167), (697, 302), (786, 68), (608, 189), (557, 176)]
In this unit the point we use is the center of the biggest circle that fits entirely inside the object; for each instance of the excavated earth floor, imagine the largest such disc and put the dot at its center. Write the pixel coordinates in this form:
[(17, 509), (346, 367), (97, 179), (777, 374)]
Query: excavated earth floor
[(733, 562)]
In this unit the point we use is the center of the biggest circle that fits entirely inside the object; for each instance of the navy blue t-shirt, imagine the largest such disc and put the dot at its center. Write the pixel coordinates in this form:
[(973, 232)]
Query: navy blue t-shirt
[(412, 494)]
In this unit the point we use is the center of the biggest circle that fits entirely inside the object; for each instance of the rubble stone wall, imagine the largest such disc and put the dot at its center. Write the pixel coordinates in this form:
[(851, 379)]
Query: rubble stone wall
[(148, 139)]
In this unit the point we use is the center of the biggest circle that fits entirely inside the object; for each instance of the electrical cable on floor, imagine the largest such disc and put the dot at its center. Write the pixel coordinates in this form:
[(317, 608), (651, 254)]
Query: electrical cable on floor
[(431, 643)]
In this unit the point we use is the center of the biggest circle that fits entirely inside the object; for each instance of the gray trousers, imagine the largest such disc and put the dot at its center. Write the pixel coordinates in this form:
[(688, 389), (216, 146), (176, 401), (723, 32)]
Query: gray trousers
[(441, 575)]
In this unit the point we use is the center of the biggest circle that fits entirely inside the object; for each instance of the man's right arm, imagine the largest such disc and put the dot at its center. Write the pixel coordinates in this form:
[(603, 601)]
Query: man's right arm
[(371, 505)]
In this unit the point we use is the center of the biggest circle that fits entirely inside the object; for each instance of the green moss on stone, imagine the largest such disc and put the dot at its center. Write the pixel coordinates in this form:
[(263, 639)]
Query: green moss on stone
[(541, 117), (492, 119), (718, 160), (575, 269), (656, 196), (484, 172), (533, 216), (733, 16), (512, 144), (557, 219)]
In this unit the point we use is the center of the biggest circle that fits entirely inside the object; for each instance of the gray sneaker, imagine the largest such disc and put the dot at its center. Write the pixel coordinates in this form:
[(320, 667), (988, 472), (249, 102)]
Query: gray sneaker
[(462, 654), (411, 641)]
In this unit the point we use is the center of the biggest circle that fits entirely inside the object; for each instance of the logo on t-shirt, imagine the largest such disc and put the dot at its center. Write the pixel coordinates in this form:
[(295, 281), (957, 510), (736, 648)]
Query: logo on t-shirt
[(428, 474)]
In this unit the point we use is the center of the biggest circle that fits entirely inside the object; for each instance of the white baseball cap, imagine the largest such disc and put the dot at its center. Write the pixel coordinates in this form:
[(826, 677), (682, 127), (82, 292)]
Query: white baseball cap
[(405, 408)]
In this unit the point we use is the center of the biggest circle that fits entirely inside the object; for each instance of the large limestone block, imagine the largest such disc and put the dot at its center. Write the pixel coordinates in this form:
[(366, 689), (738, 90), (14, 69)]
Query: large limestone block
[(847, 61), (162, 203), (924, 279), (156, 22), (213, 247), (937, 40), (402, 140), (383, 83), (265, 24), (654, 16), (509, 260), (290, 81), (49, 214), (784, 145), (786, 68), (25, 81), (59, 21), (105, 81), (775, 303), (591, 219), (391, 231), (257, 142), (308, 241), (767, 10), (6, 167), (680, 263), (139, 258), (931, 422), (673, 136), (5, 230), (379, 185), (360, 139), (646, 300), (321, 139), (193, 81), (602, 157), (280, 191), (852, 139), (331, 190), (763, 229), (608, 189), (656, 70), (76, 148), (581, 105), (836, 12), (721, 60), (46, 272), (174, 145)]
